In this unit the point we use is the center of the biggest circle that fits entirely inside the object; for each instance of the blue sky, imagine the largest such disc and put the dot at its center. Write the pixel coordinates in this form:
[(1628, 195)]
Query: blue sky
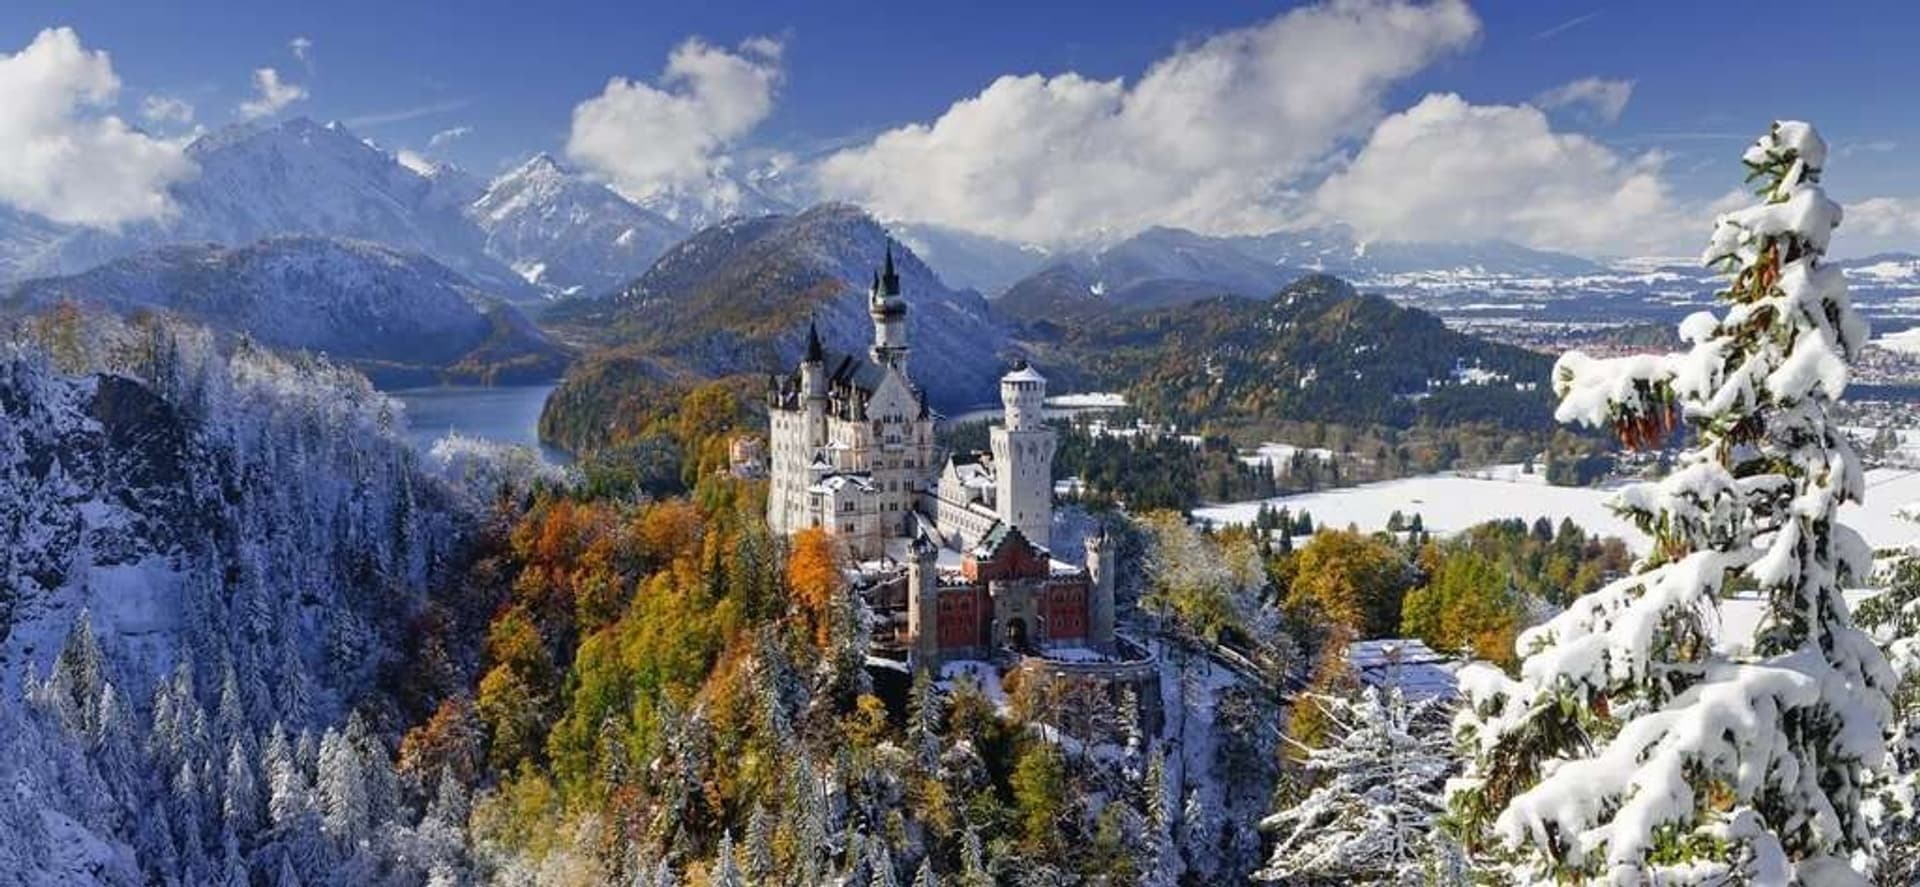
[(511, 75)]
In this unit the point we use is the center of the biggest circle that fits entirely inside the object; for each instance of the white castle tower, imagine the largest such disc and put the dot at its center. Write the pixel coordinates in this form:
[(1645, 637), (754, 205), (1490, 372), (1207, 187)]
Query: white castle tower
[(889, 312), (1023, 456)]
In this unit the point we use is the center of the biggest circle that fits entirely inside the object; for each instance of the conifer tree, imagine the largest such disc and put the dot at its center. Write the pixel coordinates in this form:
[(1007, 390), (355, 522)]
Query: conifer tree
[(726, 870), (1370, 817), (923, 721), (973, 861), (1635, 747)]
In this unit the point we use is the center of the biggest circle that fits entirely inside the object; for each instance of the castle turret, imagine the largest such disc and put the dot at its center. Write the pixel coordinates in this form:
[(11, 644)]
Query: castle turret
[(889, 312), (813, 387), (1023, 456), (923, 604), (1102, 560)]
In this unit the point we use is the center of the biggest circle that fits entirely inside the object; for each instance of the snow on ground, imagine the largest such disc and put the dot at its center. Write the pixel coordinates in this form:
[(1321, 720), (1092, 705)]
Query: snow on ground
[(984, 675), (1447, 503), (1453, 501), (1088, 400), (1279, 456)]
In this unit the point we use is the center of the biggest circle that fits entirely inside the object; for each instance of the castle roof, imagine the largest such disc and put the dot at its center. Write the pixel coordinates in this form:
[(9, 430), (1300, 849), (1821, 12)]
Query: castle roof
[(815, 353), (1022, 372), (998, 537)]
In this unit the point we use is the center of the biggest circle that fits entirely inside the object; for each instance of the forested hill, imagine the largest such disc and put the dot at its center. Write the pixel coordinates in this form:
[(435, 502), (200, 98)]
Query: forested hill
[(401, 317), (1317, 350), (208, 557), (737, 297)]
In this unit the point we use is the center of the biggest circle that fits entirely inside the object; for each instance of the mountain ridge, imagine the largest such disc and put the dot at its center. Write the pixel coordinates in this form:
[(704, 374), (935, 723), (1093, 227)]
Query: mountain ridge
[(399, 316)]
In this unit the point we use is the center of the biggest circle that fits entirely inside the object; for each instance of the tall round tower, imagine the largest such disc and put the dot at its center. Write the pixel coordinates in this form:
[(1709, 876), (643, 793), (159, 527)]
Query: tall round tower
[(1023, 448), (889, 312), (1102, 561)]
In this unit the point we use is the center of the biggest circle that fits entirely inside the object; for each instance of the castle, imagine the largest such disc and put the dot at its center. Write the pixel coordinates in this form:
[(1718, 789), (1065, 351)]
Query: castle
[(852, 452)]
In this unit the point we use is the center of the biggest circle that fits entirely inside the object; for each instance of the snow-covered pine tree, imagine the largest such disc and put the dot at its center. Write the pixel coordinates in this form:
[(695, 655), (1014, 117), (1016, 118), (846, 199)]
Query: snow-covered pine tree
[(923, 721), (1163, 856), (1371, 819), (973, 861), (1636, 747), (726, 869), (1893, 616), (880, 865)]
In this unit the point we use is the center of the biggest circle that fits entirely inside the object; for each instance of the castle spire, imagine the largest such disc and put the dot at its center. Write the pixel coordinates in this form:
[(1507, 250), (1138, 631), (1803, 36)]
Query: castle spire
[(815, 354), (888, 278)]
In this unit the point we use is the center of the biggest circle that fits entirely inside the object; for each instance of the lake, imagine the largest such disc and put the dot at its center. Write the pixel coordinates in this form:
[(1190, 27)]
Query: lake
[(505, 413)]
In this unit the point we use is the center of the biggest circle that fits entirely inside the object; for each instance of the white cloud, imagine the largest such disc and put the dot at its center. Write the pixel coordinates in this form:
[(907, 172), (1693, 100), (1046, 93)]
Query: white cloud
[(302, 49), (1445, 169), (1604, 99), (60, 155), (1879, 224), (1875, 146), (271, 94), (1211, 137), (447, 136), (650, 137), (166, 110), (401, 115), (416, 161)]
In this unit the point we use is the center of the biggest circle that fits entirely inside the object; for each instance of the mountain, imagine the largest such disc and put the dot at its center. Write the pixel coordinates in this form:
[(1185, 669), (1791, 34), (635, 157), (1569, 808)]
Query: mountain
[(1063, 294), (1177, 254), (723, 195), (1335, 249), (567, 234), (972, 261), (1316, 350), (294, 178), (1169, 266), (400, 316), (1155, 268), (301, 177), (736, 298)]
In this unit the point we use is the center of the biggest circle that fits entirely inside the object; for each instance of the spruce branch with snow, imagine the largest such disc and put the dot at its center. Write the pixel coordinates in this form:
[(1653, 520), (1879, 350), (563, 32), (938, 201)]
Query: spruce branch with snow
[(1634, 747)]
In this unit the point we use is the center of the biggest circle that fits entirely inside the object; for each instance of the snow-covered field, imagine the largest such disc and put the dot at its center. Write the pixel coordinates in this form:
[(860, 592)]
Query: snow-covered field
[(1453, 501)]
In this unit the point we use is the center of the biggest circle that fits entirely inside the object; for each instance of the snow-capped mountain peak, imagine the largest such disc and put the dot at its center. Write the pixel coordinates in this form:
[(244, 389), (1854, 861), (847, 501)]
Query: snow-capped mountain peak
[(566, 233)]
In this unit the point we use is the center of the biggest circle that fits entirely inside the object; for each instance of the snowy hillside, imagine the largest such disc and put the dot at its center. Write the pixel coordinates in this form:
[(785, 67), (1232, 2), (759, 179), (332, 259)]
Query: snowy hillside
[(207, 559), (566, 234), (301, 177), (384, 309)]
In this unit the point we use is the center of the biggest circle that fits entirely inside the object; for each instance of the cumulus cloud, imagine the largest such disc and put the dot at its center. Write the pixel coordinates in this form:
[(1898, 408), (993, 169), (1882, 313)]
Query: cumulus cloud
[(447, 136), (1603, 99), (164, 110), (302, 49), (1445, 169), (270, 94), (1208, 138), (651, 137), (61, 155), (419, 163), (1880, 224)]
